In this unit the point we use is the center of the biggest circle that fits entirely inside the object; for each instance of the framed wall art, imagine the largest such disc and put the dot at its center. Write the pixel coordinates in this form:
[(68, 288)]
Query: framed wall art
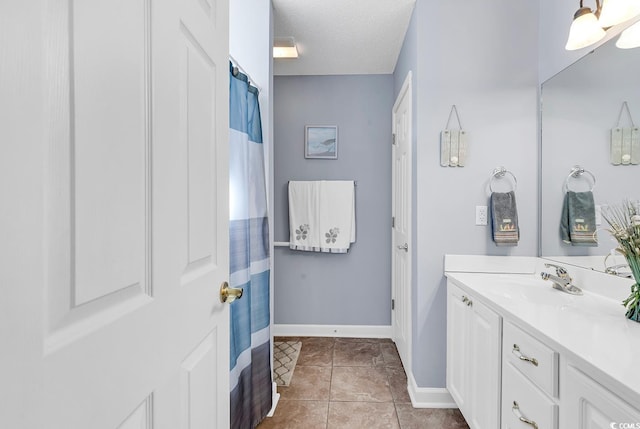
[(321, 142)]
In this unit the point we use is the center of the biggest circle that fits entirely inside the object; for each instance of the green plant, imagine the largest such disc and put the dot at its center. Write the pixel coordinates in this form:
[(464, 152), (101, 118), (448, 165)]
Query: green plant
[(624, 222)]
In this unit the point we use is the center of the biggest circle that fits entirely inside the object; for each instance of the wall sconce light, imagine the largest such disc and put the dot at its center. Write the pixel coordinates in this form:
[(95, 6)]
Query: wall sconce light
[(617, 11), (588, 27), (285, 47), (630, 38), (585, 29)]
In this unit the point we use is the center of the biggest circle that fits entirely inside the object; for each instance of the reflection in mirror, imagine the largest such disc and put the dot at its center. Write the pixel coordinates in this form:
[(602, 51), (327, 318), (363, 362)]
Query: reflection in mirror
[(579, 107)]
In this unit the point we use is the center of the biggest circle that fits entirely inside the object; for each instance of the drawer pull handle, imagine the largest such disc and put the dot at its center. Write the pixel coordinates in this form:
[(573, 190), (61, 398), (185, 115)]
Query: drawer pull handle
[(516, 410), (467, 301), (516, 351)]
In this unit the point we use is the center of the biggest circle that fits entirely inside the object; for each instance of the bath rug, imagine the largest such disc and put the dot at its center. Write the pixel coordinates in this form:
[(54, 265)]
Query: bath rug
[(285, 356)]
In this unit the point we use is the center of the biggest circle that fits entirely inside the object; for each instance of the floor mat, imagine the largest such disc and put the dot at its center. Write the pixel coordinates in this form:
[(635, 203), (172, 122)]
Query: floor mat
[(285, 356)]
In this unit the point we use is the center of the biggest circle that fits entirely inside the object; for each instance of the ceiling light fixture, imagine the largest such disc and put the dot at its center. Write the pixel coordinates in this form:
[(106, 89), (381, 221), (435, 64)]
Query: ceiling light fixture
[(285, 47)]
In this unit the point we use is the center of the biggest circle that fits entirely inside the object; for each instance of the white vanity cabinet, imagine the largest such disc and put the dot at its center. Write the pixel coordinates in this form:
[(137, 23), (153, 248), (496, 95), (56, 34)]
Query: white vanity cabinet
[(474, 334), (586, 404), (521, 355)]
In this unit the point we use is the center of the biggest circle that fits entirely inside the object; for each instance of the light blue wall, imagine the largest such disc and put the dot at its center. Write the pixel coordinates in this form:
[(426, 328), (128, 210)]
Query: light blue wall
[(489, 59), (330, 289), (478, 57)]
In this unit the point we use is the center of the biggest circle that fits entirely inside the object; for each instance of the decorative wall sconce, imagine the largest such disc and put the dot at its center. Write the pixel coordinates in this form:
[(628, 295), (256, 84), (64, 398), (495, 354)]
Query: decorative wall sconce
[(589, 27)]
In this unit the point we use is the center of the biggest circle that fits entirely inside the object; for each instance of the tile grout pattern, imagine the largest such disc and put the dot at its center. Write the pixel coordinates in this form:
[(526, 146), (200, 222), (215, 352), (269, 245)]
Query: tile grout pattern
[(352, 383)]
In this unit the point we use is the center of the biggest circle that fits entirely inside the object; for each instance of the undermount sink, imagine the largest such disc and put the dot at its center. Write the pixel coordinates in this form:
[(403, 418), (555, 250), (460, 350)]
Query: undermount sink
[(532, 289), (546, 295), (527, 295), (538, 292)]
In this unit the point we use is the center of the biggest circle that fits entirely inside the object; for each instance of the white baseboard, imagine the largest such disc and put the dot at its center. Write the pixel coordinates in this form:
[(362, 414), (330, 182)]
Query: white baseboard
[(349, 331), (429, 397)]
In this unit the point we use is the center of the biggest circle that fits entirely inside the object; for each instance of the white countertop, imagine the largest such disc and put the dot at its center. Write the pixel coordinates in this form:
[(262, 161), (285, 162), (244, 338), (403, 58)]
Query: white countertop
[(591, 329)]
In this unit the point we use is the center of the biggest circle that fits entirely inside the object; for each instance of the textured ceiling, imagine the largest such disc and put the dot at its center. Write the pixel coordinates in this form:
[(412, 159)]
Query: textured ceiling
[(342, 36)]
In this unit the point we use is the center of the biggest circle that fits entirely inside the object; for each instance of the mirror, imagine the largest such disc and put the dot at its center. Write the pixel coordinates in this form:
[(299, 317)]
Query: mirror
[(579, 107)]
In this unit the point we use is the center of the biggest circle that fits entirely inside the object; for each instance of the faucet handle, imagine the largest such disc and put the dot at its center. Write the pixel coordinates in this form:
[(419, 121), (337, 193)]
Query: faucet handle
[(561, 271)]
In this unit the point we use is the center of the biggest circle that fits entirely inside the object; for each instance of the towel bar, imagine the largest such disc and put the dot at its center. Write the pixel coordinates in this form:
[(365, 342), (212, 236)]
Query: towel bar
[(280, 244), (355, 183)]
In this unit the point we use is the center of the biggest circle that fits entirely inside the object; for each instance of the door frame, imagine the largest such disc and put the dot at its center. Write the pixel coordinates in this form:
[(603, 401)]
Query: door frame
[(405, 91)]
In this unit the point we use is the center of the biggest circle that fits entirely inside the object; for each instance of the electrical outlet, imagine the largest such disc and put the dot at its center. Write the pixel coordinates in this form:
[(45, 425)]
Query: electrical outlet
[(481, 215)]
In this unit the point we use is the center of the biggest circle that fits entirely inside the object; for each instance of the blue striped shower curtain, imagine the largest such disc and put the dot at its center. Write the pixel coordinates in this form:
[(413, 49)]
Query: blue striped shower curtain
[(250, 377)]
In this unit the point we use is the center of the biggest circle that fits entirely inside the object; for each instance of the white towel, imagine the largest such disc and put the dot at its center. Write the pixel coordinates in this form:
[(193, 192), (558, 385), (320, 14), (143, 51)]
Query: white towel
[(322, 216)]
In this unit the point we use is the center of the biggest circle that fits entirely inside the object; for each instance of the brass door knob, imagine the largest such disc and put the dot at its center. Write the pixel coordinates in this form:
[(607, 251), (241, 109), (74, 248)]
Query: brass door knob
[(229, 294)]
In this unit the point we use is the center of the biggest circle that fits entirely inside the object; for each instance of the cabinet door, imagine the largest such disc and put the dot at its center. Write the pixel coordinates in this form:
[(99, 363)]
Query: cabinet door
[(473, 358), (484, 360), (458, 315), (588, 405)]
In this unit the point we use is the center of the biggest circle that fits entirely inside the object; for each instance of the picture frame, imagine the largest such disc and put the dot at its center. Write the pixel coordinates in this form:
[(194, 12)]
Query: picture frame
[(321, 142)]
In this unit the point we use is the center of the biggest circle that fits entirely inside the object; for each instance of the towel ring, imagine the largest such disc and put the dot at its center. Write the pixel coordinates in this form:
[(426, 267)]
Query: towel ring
[(576, 173), (620, 270), (499, 173)]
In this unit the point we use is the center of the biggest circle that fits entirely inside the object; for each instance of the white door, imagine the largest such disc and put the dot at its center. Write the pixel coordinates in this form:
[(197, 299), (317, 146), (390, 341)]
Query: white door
[(401, 234), (119, 148)]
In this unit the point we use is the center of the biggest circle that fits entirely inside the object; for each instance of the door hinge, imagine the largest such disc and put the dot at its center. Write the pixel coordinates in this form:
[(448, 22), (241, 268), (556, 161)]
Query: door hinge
[(393, 138), (393, 221), (393, 304)]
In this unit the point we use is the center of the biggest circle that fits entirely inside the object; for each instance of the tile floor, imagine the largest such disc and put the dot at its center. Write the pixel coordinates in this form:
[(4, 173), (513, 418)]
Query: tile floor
[(352, 383)]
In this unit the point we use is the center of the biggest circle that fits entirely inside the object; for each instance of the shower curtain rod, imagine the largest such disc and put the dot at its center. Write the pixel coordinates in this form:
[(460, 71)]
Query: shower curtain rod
[(243, 71)]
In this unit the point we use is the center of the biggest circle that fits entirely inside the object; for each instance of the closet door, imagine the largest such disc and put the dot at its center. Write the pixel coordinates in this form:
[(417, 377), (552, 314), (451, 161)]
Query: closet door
[(402, 250), (124, 325)]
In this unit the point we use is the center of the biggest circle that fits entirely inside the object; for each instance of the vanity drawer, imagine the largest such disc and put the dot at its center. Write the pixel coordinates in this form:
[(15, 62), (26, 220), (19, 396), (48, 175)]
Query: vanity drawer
[(535, 360), (524, 406)]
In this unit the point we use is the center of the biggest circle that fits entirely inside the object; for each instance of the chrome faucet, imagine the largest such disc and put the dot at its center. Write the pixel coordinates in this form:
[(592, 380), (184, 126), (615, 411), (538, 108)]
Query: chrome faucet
[(561, 280)]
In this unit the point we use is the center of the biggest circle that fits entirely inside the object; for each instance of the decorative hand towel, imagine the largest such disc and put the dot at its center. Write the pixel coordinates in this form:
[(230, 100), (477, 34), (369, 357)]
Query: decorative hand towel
[(322, 216), (303, 211), (578, 219), (504, 219)]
